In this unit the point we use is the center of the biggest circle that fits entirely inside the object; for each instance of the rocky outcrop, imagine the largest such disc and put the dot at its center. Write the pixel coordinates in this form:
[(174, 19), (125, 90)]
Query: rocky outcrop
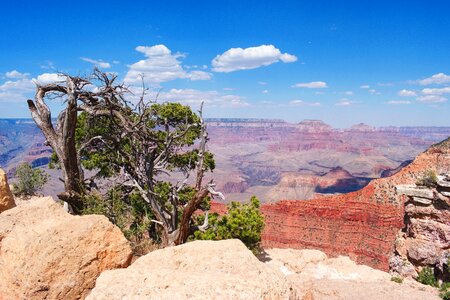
[(362, 224), (196, 270), (425, 238), (227, 270), (6, 197), (316, 276), (46, 253)]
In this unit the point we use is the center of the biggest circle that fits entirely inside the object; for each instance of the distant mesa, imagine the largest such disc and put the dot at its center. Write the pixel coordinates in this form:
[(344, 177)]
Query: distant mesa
[(314, 126), (362, 127)]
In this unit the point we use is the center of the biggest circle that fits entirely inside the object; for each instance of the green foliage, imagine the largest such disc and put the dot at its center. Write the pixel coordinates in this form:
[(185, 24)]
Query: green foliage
[(29, 180), (397, 279), (426, 276), (445, 291), (242, 221), (130, 214), (428, 179)]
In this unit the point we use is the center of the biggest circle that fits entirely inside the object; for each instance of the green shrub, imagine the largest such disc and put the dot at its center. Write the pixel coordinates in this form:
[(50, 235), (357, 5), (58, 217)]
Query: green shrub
[(445, 291), (428, 179), (397, 279), (29, 180), (129, 213), (242, 221), (426, 276)]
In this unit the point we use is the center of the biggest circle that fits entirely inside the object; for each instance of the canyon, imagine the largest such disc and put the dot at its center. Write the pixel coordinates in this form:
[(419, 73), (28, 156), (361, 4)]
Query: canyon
[(388, 219), (271, 159)]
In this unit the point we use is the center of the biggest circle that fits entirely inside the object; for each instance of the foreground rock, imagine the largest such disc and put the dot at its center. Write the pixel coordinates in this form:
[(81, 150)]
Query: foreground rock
[(46, 253), (6, 197), (317, 277), (196, 270), (227, 270)]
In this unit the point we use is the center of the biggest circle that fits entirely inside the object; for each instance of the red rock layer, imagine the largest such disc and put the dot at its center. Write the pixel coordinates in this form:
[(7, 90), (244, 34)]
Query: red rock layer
[(361, 224)]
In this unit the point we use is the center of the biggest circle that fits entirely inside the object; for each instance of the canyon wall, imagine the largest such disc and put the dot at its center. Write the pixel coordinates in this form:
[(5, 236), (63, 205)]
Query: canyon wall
[(362, 224)]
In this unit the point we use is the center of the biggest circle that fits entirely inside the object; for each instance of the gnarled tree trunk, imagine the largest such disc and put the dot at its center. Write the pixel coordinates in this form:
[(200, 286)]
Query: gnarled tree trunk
[(62, 137)]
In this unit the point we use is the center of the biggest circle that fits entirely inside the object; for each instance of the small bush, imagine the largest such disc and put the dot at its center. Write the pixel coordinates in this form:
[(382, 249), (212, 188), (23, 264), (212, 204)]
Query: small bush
[(242, 221), (29, 180), (397, 279), (129, 213), (426, 276), (445, 291), (428, 179)]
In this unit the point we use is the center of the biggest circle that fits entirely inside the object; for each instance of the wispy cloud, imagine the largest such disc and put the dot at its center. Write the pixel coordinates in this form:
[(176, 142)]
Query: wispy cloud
[(431, 99), (436, 91), (311, 85), (14, 74), (97, 62), (365, 86), (298, 102), (398, 102), (265, 91), (194, 97), (236, 59), (406, 93), (345, 102)]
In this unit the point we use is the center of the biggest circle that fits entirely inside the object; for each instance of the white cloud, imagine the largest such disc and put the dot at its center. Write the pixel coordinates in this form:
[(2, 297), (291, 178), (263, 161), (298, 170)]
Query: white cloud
[(345, 102), (406, 93), (440, 91), (262, 82), (439, 78), (399, 102), (311, 85), (14, 74), (431, 99), (372, 91), (97, 62), (48, 66), (299, 102), (16, 90), (195, 97), (228, 89), (365, 86), (199, 75), (47, 78), (160, 65), (265, 91), (348, 93), (236, 59)]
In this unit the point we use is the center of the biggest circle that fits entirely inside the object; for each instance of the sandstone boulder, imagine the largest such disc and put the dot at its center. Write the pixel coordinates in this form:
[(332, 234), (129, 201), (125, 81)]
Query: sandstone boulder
[(196, 270), (46, 253), (6, 197)]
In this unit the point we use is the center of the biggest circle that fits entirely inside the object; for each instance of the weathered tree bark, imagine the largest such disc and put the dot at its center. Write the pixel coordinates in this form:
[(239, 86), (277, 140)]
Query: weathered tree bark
[(62, 138)]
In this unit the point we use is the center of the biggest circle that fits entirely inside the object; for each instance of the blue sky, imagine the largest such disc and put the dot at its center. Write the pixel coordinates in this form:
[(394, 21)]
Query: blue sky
[(343, 62)]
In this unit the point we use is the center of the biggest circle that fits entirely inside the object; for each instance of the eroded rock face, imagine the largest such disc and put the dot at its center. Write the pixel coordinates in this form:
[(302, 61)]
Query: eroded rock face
[(196, 270), (364, 224), (46, 253), (6, 197), (424, 241)]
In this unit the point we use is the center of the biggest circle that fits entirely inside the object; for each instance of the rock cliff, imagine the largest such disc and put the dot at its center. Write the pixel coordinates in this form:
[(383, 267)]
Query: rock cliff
[(424, 241), (362, 224)]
